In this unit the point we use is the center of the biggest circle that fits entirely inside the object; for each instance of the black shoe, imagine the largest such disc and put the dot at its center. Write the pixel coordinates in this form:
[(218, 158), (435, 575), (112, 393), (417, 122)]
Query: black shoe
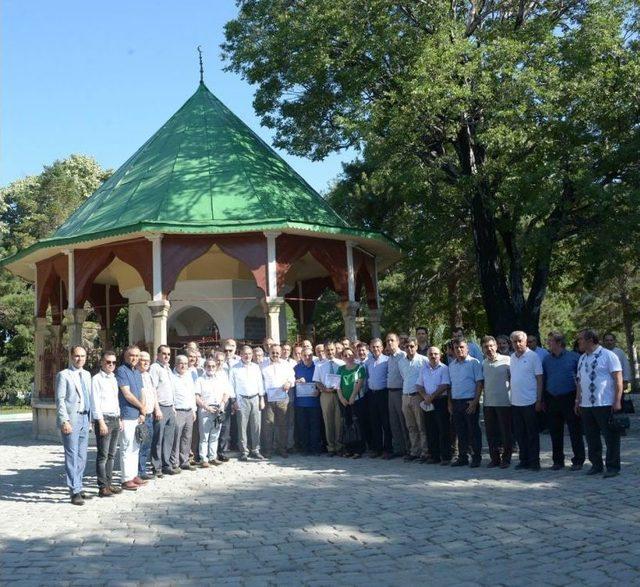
[(594, 471), (223, 458), (576, 467), (86, 496), (459, 463), (557, 467), (474, 464), (409, 458), (521, 466), (243, 458), (168, 472), (76, 499), (147, 476), (188, 467), (535, 467), (611, 473), (158, 475), (256, 456), (493, 464)]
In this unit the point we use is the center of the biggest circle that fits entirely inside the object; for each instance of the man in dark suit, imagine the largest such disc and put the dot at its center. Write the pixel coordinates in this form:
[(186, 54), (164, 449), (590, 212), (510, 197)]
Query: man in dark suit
[(73, 407)]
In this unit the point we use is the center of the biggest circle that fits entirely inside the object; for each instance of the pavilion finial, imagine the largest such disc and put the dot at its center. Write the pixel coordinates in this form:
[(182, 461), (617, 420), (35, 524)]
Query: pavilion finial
[(201, 69)]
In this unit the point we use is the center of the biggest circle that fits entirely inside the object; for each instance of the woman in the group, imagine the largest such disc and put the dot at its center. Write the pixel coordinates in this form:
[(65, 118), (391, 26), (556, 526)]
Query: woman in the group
[(352, 377)]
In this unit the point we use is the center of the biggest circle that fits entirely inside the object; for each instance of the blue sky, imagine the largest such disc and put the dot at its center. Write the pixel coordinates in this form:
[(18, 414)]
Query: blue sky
[(99, 78)]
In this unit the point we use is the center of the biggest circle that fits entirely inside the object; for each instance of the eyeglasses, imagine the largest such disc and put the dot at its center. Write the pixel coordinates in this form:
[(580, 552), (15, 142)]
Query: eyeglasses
[(228, 350), (109, 362)]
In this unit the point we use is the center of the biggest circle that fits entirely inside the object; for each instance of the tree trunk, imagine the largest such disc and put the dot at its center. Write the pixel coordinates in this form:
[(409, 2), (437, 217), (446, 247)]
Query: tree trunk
[(627, 321), (453, 299)]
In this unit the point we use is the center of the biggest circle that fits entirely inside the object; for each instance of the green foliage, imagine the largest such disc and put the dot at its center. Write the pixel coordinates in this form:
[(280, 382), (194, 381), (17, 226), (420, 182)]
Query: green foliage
[(493, 136), (30, 209)]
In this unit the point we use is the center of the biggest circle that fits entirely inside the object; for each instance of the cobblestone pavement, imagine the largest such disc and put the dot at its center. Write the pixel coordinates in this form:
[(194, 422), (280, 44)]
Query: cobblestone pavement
[(320, 521)]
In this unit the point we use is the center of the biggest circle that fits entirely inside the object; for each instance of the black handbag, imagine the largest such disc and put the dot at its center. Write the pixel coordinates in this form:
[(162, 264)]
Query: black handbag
[(143, 434), (351, 433), (619, 422)]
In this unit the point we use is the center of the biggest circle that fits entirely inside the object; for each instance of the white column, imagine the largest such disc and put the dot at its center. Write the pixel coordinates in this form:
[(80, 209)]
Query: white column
[(159, 313), (272, 270), (75, 316), (272, 307), (156, 260), (272, 304), (72, 278), (351, 276)]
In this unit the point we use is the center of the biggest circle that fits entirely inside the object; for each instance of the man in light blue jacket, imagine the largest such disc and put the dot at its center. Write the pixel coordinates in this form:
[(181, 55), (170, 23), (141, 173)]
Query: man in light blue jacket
[(73, 407)]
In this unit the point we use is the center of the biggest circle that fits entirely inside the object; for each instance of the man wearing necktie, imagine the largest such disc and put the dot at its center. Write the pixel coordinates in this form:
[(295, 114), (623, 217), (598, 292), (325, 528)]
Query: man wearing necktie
[(73, 406)]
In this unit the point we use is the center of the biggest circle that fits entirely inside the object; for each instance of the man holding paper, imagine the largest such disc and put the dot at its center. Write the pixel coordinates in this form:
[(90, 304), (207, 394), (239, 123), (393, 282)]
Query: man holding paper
[(328, 380), (278, 378), (308, 414)]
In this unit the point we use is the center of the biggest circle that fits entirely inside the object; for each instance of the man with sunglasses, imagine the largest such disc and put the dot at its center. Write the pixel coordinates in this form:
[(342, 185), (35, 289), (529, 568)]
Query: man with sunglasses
[(105, 411)]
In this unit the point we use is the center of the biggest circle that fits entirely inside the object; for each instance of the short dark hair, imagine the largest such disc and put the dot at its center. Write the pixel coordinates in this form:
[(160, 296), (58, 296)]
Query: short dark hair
[(108, 353), (422, 328), (162, 346), (589, 334), (76, 346), (558, 337), (609, 334), (488, 338)]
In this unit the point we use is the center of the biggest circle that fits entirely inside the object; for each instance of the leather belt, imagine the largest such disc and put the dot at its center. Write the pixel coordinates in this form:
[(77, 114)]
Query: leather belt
[(184, 410), (249, 396), (394, 388), (83, 413)]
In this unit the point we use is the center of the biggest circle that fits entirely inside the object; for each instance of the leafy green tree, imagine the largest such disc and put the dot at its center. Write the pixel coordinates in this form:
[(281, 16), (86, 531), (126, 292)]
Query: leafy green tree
[(30, 209), (521, 118)]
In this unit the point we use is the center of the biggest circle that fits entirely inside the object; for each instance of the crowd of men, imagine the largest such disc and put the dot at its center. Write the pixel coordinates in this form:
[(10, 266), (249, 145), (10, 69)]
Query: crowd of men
[(403, 399)]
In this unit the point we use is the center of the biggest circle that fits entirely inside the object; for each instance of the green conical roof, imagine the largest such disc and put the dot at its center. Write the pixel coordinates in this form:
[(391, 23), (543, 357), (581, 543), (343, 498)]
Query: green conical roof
[(203, 172), (203, 168)]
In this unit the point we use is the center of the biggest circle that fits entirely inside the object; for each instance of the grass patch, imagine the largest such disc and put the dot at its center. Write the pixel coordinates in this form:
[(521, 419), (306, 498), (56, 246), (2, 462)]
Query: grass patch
[(14, 409)]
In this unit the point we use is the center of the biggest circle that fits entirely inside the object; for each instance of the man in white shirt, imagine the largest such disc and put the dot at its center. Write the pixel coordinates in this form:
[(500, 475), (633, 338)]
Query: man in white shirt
[(497, 404), (599, 395), (410, 367), (609, 342), (105, 412), (279, 378), (212, 392), (224, 441), (248, 387), (185, 404), (433, 385), (291, 416), (164, 428), (326, 376), (527, 382), (152, 410)]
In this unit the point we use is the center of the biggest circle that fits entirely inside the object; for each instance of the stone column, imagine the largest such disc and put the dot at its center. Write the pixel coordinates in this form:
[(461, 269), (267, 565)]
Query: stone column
[(374, 317), (272, 307), (75, 319), (349, 311), (40, 342), (159, 312)]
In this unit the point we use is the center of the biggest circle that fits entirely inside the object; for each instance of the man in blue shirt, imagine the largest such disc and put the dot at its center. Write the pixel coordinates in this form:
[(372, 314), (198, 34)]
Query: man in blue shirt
[(465, 373), (474, 350), (308, 413), (132, 413), (560, 367), (377, 371)]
